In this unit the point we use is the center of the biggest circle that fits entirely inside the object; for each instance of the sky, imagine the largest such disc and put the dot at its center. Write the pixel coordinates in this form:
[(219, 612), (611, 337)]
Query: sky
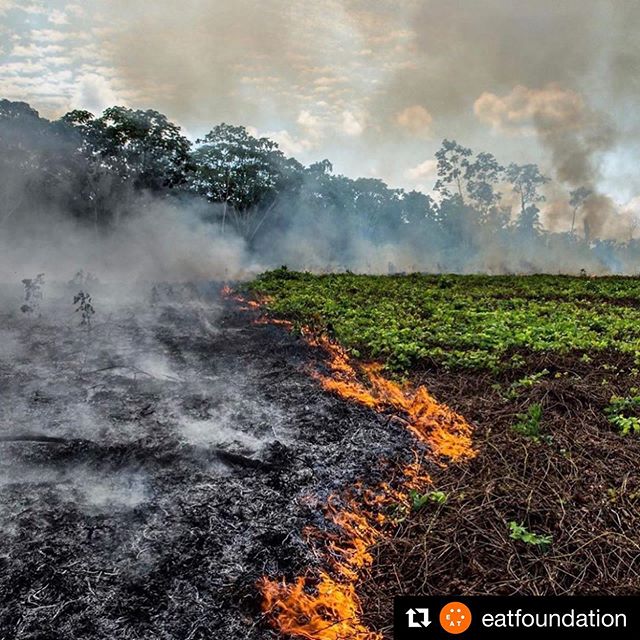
[(372, 85)]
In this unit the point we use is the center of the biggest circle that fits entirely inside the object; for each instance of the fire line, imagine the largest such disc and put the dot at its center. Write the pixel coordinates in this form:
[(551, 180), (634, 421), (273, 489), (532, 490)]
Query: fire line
[(324, 605)]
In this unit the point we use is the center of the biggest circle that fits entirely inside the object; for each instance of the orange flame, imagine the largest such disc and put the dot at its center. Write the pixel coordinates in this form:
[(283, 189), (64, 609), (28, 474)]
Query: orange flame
[(330, 612), (326, 606), (246, 305), (276, 321), (446, 432)]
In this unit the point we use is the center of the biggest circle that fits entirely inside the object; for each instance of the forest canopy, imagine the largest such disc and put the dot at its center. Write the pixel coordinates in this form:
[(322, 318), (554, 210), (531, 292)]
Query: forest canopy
[(484, 215)]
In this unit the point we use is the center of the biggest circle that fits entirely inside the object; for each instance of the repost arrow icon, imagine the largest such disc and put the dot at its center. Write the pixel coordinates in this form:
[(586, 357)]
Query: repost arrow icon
[(419, 624)]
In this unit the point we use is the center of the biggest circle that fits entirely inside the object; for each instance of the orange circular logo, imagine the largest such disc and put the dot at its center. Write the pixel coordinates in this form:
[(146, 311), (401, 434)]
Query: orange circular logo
[(455, 617)]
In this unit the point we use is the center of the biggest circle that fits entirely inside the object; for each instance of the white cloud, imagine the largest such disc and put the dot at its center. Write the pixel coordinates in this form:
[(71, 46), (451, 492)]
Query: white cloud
[(75, 10), (25, 67), (46, 78), (289, 145), (415, 119), (93, 92), (29, 8), (307, 120), (352, 125), (35, 51), (633, 207), (423, 171), (51, 35), (314, 126), (58, 17), (59, 61)]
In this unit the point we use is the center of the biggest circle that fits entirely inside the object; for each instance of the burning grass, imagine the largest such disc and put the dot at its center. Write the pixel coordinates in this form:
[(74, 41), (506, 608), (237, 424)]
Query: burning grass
[(326, 606)]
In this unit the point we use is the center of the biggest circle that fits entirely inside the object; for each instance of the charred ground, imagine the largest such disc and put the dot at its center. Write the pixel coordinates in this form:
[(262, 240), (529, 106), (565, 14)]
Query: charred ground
[(153, 469)]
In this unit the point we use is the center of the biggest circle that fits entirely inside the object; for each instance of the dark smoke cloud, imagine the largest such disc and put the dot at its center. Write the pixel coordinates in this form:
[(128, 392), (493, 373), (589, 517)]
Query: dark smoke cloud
[(573, 133), (390, 78), (203, 59), (452, 51), (467, 47)]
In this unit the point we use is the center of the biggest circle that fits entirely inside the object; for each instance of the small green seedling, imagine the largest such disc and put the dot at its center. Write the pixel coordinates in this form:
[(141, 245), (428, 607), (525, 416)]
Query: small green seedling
[(528, 424), (420, 500), (521, 533), (526, 382)]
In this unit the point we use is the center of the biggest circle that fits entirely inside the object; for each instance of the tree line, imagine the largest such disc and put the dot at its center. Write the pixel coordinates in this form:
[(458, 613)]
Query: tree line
[(94, 168)]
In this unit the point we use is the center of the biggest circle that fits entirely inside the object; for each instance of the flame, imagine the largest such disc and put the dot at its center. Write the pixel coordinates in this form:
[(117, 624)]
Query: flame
[(275, 321), (245, 305), (330, 612), (447, 433), (325, 605)]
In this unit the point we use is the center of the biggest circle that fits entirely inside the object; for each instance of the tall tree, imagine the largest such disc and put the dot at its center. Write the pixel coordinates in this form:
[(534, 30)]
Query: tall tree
[(526, 181), (377, 205), (482, 177), (40, 167), (243, 173), (418, 209), (453, 163), (143, 147), (528, 223), (577, 198)]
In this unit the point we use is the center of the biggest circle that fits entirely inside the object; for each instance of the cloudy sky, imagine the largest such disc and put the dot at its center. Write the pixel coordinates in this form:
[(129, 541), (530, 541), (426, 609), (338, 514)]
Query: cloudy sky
[(373, 85)]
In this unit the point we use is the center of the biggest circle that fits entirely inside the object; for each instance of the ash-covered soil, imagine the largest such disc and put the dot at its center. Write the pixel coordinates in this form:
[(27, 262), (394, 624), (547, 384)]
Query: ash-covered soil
[(152, 469)]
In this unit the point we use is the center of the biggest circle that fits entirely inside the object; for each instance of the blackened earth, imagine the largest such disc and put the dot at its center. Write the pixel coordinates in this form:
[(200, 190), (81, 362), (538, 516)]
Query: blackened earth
[(153, 468)]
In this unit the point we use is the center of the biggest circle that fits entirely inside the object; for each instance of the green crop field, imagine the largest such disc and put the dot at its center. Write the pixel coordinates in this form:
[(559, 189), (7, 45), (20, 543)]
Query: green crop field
[(461, 322)]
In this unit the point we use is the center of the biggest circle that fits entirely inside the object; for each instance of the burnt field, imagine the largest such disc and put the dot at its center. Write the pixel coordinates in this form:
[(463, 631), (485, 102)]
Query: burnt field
[(282, 460), (155, 467)]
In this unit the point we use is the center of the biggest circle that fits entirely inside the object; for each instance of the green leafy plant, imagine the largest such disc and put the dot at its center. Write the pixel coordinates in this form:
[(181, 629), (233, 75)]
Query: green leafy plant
[(420, 500), (521, 533), (620, 412), (460, 322), (526, 382), (531, 380), (528, 424)]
